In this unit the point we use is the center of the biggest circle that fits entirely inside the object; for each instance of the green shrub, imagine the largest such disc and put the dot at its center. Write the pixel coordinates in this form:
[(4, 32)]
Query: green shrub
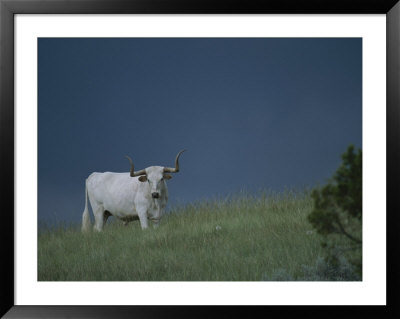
[(337, 212), (323, 270)]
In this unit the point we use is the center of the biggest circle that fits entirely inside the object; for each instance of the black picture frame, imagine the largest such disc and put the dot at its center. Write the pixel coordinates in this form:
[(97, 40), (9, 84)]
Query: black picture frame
[(8, 8)]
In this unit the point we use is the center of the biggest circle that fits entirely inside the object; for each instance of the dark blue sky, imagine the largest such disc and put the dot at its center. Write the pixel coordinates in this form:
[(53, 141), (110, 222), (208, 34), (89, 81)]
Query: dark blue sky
[(252, 113)]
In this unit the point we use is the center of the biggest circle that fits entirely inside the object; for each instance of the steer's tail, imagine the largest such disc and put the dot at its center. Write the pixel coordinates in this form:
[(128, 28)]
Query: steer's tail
[(85, 216)]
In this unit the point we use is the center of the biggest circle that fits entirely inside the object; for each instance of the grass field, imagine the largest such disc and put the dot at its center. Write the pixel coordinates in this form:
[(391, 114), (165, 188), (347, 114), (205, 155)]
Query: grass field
[(239, 238)]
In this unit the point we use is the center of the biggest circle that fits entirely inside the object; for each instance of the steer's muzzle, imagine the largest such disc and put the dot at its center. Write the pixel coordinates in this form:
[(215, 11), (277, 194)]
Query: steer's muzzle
[(155, 195)]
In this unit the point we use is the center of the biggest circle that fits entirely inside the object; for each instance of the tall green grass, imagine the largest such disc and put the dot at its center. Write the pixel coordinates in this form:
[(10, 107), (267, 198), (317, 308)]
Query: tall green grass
[(239, 238)]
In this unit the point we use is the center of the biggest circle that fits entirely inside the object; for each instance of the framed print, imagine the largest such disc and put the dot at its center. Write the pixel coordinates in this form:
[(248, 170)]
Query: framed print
[(267, 123)]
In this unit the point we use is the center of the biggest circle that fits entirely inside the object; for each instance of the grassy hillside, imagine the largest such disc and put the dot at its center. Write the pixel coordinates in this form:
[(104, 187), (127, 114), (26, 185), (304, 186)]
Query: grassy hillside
[(242, 238)]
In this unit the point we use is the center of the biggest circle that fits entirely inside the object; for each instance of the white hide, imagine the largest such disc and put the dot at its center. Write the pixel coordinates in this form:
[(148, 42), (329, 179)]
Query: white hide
[(125, 197)]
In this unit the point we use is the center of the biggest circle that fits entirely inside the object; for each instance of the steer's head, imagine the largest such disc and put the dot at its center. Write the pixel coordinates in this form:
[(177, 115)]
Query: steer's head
[(155, 175)]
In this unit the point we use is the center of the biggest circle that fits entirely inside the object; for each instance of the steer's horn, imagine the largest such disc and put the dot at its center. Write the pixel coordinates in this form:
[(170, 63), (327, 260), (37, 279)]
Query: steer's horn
[(176, 169), (133, 173)]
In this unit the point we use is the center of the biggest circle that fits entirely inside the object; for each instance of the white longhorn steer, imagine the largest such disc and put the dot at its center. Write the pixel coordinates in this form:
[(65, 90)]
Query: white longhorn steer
[(130, 196)]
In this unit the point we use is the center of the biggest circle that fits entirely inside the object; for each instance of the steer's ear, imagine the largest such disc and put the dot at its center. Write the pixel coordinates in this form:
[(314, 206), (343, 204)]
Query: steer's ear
[(167, 176), (143, 178)]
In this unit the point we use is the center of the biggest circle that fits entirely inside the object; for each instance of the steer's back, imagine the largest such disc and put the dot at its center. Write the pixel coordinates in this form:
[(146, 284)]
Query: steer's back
[(114, 192)]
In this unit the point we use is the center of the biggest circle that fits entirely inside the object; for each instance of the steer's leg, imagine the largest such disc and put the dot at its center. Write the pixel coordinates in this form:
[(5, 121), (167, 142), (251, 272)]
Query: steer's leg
[(99, 218), (156, 221), (142, 213), (105, 216)]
